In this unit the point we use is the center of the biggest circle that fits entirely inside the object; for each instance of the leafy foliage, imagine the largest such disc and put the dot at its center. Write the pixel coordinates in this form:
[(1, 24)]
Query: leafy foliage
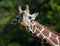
[(14, 35)]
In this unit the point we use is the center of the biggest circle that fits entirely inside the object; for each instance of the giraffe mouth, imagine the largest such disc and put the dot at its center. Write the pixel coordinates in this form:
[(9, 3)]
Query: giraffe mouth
[(23, 24)]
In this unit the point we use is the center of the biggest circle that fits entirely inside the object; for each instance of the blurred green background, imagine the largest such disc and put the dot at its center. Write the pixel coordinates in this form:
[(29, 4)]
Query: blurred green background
[(14, 35)]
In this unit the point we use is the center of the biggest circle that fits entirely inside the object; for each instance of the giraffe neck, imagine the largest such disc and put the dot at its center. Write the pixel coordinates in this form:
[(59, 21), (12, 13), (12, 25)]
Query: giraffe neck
[(43, 33)]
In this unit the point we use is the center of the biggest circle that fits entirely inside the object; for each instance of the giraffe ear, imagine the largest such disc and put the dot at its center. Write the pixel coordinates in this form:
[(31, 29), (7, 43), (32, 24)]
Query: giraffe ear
[(34, 15), (20, 9)]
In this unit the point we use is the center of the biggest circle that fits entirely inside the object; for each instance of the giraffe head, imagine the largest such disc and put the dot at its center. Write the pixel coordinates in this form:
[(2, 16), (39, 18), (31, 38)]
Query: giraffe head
[(24, 14), (27, 17)]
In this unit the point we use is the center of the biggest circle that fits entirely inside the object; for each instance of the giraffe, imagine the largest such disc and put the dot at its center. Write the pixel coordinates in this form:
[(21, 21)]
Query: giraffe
[(43, 33)]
